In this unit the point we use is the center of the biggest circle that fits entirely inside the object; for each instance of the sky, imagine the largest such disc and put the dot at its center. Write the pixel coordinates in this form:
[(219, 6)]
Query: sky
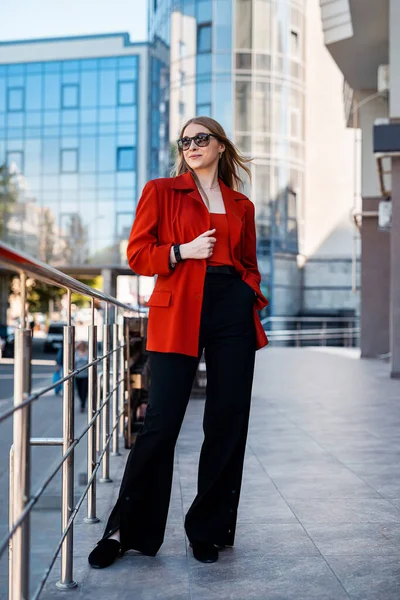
[(26, 19)]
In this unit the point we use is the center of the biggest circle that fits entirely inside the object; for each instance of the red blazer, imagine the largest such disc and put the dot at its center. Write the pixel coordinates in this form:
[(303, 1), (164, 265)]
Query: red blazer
[(171, 211)]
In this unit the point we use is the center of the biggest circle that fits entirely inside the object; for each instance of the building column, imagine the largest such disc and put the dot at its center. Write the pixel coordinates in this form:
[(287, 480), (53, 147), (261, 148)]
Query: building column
[(375, 284), (4, 294), (394, 98), (395, 272), (109, 282)]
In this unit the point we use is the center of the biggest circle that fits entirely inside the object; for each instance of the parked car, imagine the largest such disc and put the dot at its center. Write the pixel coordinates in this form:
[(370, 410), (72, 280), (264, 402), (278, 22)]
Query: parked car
[(54, 337), (7, 339)]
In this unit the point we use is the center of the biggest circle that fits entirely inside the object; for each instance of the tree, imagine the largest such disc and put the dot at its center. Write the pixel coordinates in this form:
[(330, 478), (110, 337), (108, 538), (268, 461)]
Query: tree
[(47, 235), (8, 198), (38, 294), (84, 301)]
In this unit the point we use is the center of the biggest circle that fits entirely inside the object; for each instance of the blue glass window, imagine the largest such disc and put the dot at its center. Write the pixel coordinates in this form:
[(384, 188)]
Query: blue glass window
[(204, 64), (52, 67), (15, 99), (125, 158), (89, 89), (69, 160), (16, 69), (88, 155), (2, 94), (89, 64), (34, 68), (15, 160), (107, 88), (51, 118), (34, 86), (70, 95), (204, 10), (108, 63), (71, 65), (126, 92), (204, 38), (203, 92), (33, 119), (15, 119), (127, 62), (52, 91), (203, 110)]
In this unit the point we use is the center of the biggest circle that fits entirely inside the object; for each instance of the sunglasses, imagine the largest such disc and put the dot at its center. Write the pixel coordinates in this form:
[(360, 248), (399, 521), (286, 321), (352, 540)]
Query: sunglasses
[(201, 140)]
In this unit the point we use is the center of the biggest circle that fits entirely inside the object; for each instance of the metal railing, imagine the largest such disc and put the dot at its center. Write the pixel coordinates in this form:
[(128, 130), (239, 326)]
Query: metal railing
[(114, 392), (300, 331)]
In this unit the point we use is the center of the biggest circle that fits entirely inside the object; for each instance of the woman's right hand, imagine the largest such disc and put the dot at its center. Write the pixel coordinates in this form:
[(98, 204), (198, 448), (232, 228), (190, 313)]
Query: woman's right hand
[(200, 247)]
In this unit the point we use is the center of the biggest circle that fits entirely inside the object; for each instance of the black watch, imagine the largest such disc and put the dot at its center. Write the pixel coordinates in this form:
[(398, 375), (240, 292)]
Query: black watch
[(177, 253)]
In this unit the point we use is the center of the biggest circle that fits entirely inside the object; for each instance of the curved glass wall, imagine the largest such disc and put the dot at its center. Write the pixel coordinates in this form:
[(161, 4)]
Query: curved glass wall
[(269, 114)]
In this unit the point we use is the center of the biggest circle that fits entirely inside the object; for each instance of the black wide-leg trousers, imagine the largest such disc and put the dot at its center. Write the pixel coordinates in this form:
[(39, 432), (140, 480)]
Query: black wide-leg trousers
[(227, 334)]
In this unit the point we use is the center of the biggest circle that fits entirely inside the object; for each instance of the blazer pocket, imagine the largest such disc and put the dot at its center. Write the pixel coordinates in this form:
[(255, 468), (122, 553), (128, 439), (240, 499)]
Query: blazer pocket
[(162, 299)]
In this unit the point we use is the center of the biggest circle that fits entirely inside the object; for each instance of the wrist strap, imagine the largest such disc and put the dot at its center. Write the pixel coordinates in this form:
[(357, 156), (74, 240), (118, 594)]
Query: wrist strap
[(177, 253)]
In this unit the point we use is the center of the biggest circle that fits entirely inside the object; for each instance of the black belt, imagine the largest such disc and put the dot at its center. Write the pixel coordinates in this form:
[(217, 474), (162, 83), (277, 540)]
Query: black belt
[(221, 269)]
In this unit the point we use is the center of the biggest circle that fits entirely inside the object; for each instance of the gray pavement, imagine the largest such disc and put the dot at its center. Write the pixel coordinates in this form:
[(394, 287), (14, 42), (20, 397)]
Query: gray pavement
[(319, 516)]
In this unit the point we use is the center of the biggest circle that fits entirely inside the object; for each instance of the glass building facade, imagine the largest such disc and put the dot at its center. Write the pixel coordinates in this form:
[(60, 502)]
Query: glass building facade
[(242, 62), (70, 133)]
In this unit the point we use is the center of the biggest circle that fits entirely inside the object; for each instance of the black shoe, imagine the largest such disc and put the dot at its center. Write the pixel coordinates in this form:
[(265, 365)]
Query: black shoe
[(104, 554), (204, 551)]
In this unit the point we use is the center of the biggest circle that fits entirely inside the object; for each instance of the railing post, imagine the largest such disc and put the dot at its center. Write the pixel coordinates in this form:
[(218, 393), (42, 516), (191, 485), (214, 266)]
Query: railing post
[(128, 385), (91, 439), (106, 390), (323, 334), (115, 440), (11, 523), (21, 459), (99, 418), (298, 327), (122, 377), (68, 497)]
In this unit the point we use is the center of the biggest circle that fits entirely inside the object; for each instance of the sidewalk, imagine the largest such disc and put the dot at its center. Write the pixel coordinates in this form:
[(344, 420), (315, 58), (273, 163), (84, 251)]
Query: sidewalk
[(319, 515)]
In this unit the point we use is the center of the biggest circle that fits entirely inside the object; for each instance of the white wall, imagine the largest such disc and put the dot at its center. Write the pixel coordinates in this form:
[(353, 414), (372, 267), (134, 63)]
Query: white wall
[(329, 177), (394, 53), (367, 114)]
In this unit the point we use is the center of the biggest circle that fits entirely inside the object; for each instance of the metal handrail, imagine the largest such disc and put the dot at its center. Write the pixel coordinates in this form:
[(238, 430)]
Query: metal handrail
[(23, 263), (315, 319), (347, 334), (21, 499)]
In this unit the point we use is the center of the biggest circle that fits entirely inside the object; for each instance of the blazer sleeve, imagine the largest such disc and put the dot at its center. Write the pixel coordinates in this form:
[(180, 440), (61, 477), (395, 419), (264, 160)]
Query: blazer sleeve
[(249, 258), (145, 255)]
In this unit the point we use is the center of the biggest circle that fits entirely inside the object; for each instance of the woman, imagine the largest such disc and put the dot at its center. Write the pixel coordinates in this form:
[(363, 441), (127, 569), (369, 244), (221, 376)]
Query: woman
[(197, 233), (81, 379)]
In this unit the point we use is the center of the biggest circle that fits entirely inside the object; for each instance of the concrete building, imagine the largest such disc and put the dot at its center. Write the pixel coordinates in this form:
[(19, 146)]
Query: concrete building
[(81, 126), (260, 68), (364, 41)]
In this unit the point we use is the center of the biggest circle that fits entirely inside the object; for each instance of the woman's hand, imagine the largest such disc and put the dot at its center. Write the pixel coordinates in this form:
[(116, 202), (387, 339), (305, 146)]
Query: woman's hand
[(200, 247)]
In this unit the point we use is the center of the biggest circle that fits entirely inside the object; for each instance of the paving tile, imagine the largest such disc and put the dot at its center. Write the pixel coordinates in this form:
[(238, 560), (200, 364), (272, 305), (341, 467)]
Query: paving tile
[(257, 578), (365, 539), (321, 485), (272, 539), (344, 510), (264, 509), (374, 577)]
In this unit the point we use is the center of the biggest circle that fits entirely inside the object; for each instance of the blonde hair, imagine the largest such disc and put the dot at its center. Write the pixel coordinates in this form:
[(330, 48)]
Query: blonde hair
[(231, 160)]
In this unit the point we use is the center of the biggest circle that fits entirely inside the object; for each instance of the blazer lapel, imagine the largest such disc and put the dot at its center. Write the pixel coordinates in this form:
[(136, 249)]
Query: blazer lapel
[(186, 182), (234, 212)]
